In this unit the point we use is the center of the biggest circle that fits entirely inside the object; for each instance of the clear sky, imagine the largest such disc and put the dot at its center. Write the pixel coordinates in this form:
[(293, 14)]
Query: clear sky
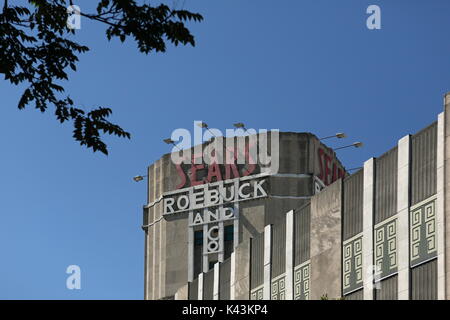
[(293, 65)]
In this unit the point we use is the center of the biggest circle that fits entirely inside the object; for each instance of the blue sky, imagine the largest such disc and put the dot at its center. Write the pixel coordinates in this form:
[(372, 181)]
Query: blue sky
[(293, 65)]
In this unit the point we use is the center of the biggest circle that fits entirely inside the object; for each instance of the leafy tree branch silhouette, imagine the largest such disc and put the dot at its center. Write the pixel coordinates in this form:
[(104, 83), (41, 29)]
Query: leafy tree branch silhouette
[(35, 49)]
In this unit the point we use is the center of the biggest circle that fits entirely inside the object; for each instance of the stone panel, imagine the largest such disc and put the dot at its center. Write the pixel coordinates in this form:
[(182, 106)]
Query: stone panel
[(326, 243), (278, 288), (352, 277), (385, 248), (423, 244), (302, 281)]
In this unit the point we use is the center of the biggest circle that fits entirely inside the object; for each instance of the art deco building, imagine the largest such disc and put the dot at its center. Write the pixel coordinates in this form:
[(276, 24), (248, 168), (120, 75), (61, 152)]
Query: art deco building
[(307, 229)]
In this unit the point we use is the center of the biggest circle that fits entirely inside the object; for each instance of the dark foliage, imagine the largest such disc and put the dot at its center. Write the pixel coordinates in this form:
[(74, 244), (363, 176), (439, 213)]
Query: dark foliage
[(35, 50)]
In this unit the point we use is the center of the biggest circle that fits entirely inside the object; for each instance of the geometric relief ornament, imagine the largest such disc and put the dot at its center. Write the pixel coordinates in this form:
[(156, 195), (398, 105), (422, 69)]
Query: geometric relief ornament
[(385, 248), (301, 281), (278, 290), (423, 232), (257, 293), (352, 273)]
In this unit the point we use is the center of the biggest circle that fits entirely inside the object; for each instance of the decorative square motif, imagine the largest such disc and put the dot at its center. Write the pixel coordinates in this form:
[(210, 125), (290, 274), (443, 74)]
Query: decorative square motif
[(278, 288), (353, 264), (423, 232), (257, 293), (301, 281), (347, 251), (385, 247)]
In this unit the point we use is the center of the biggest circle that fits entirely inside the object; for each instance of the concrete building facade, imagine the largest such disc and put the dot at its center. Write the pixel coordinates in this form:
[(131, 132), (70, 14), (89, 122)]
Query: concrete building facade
[(314, 231)]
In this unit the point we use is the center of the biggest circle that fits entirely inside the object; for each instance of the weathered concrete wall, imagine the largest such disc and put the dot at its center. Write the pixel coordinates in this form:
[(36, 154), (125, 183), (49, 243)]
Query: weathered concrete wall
[(166, 252), (182, 293), (240, 272), (326, 242), (251, 218), (285, 195), (294, 153), (176, 253)]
